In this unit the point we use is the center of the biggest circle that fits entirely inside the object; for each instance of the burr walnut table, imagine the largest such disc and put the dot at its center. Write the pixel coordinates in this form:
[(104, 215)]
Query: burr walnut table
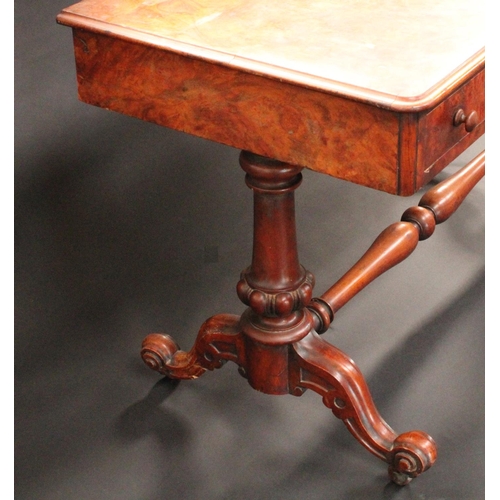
[(384, 94)]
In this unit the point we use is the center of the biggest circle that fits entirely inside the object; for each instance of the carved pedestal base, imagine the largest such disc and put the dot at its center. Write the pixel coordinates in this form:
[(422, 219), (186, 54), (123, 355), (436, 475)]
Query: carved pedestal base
[(312, 364), (275, 343)]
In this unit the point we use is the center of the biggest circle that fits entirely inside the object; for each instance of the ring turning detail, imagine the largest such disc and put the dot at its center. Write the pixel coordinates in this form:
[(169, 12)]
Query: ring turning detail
[(275, 342)]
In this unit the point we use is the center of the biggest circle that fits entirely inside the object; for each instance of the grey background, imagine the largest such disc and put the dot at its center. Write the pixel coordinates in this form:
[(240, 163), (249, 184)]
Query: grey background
[(123, 228)]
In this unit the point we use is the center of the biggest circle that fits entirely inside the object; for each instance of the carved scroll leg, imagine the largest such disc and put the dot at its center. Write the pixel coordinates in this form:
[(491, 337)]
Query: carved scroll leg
[(218, 341), (332, 374)]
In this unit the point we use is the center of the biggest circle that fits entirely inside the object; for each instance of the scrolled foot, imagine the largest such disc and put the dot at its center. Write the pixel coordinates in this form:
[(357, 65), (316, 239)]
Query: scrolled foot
[(412, 453), (219, 340), (332, 374), (157, 351), (161, 353)]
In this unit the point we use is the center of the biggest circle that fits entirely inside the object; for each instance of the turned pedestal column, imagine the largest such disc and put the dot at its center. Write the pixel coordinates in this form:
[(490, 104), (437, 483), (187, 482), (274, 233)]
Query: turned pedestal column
[(275, 287)]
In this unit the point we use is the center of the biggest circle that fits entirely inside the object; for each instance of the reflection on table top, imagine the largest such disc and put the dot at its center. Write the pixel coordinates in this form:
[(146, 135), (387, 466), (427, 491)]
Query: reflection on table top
[(394, 53)]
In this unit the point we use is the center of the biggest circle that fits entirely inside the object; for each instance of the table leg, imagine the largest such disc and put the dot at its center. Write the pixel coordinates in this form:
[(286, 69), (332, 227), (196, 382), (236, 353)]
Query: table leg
[(275, 343)]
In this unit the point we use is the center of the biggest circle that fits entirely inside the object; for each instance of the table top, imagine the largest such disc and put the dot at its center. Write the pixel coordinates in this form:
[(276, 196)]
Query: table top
[(366, 90), (393, 53)]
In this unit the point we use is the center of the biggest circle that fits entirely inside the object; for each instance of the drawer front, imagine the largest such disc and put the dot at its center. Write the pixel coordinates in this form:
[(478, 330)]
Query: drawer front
[(441, 134)]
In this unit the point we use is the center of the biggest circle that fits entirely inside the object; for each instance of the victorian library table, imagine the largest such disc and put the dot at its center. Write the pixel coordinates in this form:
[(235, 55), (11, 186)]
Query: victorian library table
[(380, 93)]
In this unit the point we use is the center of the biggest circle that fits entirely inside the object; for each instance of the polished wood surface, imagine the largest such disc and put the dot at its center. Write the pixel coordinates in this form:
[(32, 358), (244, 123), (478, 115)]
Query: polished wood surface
[(132, 57), (391, 53), (275, 342), (242, 110)]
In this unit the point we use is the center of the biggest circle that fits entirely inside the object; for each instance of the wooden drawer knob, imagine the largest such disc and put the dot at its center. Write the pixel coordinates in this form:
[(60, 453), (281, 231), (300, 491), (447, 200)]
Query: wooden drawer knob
[(471, 120)]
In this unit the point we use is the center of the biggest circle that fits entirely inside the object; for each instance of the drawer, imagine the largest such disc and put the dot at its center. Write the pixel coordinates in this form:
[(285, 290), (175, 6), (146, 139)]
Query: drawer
[(449, 128)]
